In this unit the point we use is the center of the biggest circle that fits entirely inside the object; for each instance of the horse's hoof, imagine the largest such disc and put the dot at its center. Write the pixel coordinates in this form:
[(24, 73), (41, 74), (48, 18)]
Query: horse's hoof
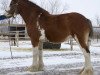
[(32, 69), (86, 72), (81, 70), (40, 69)]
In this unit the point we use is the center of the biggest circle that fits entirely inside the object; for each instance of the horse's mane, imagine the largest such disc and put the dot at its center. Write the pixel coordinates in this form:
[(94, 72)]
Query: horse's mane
[(36, 6)]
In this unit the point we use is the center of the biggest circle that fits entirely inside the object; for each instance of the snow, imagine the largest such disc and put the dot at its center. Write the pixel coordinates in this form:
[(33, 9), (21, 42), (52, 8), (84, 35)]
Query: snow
[(65, 59)]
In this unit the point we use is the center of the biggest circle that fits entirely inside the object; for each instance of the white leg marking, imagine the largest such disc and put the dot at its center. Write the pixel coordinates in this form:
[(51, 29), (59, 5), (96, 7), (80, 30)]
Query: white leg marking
[(41, 40), (87, 59), (41, 64), (35, 56), (35, 64), (88, 70)]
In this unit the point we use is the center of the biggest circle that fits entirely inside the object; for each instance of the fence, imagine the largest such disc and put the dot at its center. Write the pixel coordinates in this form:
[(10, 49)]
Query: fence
[(96, 35), (15, 36)]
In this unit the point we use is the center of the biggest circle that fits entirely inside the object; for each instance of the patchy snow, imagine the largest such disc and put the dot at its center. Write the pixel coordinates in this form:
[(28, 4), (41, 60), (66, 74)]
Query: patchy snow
[(65, 59)]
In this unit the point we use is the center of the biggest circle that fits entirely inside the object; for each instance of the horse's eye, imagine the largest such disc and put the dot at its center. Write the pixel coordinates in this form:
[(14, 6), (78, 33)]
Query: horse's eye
[(12, 3)]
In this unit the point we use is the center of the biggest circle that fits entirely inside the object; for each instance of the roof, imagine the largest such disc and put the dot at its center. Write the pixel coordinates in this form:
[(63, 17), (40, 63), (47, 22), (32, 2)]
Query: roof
[(17, 25)]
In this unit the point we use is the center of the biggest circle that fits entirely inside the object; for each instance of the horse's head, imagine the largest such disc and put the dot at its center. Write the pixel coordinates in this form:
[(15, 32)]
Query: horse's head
[(13, 8)]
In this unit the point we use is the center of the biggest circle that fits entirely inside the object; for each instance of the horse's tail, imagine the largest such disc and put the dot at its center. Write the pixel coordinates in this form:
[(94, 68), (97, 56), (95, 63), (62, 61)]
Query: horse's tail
[(91, 29)]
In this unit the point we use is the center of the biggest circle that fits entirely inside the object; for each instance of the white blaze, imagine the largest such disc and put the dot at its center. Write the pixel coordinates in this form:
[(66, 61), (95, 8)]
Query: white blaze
[(42, 37)]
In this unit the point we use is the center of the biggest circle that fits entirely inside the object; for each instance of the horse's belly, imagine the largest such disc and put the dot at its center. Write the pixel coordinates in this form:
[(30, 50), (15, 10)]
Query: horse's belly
[(56, 38)]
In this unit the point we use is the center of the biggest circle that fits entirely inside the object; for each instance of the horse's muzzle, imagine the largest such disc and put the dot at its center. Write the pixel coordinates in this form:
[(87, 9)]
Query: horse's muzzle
[(7, 14)]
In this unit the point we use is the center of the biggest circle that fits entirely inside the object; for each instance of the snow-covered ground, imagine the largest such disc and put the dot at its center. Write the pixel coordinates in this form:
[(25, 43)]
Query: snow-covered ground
[(65, 59)]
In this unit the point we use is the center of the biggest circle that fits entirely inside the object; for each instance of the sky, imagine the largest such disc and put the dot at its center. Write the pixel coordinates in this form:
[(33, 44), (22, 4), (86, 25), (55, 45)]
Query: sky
[(89, 8)]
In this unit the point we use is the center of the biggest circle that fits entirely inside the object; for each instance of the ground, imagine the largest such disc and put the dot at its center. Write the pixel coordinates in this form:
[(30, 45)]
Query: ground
[(54, 60)]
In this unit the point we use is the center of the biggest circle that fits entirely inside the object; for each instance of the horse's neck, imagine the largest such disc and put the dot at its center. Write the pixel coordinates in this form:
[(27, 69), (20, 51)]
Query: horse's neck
[(29, 16)]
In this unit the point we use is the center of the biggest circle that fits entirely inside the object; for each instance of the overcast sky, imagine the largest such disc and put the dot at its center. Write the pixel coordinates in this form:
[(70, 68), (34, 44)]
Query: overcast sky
[(89, 8)]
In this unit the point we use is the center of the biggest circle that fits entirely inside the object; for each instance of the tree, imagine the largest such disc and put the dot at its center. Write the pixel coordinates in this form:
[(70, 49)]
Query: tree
[(98, 20), (54, 6), (4, 4)]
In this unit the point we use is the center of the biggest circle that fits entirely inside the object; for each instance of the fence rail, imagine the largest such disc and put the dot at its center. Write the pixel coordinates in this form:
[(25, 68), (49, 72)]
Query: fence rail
[(15, 36)]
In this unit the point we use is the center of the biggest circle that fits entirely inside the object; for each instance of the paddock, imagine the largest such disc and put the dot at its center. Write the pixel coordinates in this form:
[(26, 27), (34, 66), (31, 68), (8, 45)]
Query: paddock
[(22, 56), (53, 28)]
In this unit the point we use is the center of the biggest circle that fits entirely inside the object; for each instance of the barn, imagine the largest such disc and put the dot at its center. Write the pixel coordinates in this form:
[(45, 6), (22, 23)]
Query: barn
[(20, 28)]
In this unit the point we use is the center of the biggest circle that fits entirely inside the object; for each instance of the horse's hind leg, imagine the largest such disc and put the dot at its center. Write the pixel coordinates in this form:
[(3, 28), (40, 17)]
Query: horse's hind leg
[(83, 41), (87, 70)]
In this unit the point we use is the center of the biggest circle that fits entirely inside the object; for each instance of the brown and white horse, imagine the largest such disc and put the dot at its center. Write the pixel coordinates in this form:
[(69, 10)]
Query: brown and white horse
[(55, 28)]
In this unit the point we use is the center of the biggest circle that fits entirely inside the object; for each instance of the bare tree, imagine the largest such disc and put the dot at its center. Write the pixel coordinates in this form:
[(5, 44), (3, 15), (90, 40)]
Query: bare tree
[(98, 20), (4, 5), (54, 6)]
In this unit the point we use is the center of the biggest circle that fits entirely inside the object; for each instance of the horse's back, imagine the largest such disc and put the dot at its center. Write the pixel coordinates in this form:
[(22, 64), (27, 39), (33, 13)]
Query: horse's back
[(59, 27), (78, 24)]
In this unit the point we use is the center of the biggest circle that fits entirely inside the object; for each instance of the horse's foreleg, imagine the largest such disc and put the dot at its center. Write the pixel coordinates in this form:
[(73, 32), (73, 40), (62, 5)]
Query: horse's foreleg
[(41, 39), (87, 70), (38, 55), (41, 64), (35, 65)]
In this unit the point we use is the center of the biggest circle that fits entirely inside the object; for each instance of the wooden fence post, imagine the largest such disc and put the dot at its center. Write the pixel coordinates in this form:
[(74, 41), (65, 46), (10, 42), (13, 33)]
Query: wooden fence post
[(71, 43), (17, 38)]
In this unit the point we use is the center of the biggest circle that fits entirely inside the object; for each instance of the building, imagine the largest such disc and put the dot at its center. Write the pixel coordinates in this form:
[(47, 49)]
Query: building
[(17, 28)]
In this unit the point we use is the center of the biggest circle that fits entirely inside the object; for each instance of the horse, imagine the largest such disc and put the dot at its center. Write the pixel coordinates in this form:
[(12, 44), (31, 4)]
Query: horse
[(43, 26)]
